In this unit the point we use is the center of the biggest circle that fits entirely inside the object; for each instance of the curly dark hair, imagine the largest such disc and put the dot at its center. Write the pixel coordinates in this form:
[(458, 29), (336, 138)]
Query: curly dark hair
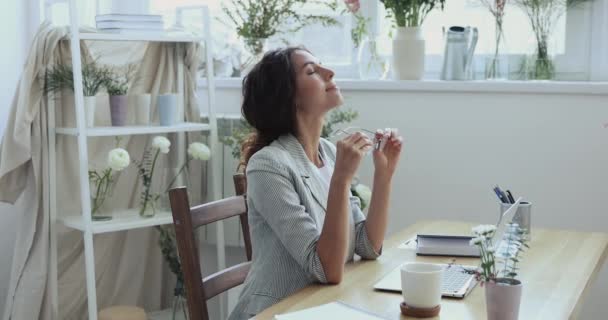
[(269, 92)]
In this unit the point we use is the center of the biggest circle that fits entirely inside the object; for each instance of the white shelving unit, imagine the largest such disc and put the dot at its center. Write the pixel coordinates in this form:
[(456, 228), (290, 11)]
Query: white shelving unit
[(129, 218)]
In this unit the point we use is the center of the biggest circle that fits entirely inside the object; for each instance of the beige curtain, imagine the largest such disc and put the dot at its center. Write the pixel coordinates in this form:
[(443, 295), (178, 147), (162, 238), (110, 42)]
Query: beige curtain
[(129, 266)]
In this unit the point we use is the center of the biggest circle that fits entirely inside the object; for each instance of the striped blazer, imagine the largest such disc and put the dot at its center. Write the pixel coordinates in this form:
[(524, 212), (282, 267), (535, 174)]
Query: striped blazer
[(287, 201)]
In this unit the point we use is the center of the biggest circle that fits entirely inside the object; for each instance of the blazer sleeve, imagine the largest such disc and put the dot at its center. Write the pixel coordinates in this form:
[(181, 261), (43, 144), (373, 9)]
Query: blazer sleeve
[(363, 247), (273, 195)]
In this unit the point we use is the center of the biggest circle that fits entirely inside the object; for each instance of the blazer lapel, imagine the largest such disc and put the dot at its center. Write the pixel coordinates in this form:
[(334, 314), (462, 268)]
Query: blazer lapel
[(308, 173)]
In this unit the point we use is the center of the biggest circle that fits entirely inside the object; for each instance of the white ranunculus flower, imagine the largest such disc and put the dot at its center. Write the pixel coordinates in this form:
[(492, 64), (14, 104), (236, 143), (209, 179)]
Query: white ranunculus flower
[(118, 159), (476, 241), (364, 192), (161, 143), (199, 151)]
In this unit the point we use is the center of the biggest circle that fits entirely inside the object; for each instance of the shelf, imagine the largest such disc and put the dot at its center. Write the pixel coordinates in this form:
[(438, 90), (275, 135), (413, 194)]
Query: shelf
[(133, 130), (121, 220), (157, 37)]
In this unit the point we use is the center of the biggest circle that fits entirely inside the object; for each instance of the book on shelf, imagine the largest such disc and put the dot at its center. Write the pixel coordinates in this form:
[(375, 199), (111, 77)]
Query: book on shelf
[(129, 17), (129, 25), (159, 32)]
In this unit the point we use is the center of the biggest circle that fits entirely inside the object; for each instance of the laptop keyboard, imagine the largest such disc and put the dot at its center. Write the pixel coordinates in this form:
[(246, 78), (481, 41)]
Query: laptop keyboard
[(454, 278)]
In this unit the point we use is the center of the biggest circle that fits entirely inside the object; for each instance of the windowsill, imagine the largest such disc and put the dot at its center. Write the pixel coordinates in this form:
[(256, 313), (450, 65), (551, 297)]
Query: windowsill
[(549, 87)]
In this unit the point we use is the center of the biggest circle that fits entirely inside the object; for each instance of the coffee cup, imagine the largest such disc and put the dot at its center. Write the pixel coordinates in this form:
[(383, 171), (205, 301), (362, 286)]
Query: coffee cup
[(421, 284)]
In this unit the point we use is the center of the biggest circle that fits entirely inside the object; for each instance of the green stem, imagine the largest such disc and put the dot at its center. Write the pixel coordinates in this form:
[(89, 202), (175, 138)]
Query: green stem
[(178, 173), (147, 192)]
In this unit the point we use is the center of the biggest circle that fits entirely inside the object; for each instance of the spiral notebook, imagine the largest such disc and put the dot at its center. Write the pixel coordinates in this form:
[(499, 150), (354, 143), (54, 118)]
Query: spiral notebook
[(330, 311)]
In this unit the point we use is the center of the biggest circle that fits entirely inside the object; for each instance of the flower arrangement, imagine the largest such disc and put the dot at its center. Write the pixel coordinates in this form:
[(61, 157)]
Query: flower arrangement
[(543, 15), (497, 9), (196, 151), (359, 31), (410, 13), (501, 266), (117, 82), (118, 159), (148, 200)]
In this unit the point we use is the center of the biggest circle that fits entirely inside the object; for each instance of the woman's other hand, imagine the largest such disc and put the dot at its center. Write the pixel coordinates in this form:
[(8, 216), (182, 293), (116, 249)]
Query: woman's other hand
[(349, 152), (386, 157)]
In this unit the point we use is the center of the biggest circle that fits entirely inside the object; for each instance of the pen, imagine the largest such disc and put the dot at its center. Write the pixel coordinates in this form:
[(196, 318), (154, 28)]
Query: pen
[(511, 199), (500, 197), (503, 195)]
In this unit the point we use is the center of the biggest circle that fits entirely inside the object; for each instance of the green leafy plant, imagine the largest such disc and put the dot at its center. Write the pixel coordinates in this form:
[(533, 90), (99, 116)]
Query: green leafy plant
[(119, 78), (60, 76), (262, 19), (516, 243), (146, 166), (543, 14), (410, 13)]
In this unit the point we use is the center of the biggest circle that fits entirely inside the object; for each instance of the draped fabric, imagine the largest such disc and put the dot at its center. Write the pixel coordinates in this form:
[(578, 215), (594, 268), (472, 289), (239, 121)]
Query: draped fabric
[(129, 267)]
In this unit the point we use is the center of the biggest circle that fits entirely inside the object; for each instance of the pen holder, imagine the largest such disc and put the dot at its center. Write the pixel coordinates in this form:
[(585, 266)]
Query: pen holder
[(523, 215)]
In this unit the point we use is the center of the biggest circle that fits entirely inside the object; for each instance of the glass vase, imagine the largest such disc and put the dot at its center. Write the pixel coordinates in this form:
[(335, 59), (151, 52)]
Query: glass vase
[(180, 304), (254, 51), (99, 194), (497, 64), (150, 205), (541, 65), (372, 66)]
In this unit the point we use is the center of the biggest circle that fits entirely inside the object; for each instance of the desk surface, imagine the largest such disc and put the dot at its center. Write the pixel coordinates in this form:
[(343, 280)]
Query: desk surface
[(556, 273)]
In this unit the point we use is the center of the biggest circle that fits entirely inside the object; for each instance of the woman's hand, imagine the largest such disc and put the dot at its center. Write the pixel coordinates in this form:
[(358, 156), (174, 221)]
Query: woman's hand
[(387, 156), (349, 153)]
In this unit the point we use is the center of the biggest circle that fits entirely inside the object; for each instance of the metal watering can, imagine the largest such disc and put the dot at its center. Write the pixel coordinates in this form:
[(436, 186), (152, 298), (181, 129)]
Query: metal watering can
[(460, 45)]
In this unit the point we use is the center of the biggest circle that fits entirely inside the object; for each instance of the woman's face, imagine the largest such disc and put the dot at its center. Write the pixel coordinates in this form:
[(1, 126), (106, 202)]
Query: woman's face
[(316, 93)]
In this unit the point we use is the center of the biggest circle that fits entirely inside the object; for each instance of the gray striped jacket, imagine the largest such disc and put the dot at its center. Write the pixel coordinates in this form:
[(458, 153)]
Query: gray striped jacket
[(287, 201)]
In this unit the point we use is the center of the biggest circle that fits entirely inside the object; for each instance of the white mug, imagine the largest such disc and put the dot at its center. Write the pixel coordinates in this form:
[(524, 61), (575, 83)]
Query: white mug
[(421, 284)]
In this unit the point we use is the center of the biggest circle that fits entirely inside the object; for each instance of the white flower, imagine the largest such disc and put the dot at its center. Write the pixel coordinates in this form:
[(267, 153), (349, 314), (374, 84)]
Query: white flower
[(161, 143), (484, 229), (199, 151), (118, 159), (364, 192), (490, 250), (476, 241)]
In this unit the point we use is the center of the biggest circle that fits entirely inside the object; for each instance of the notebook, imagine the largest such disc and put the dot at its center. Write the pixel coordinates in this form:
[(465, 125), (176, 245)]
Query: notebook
[(330, 311)]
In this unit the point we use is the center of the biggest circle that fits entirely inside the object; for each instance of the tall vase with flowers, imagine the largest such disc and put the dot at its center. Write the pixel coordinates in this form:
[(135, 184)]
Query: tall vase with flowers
[(103, 181), (499, 269), (497, 64), (149, 199)]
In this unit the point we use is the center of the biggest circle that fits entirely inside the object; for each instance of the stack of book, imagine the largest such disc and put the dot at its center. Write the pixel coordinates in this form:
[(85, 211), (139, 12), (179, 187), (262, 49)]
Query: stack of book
[(129, 23)]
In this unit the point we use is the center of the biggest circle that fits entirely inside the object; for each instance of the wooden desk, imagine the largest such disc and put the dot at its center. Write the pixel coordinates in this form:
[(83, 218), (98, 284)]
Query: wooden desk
[(556, 273)]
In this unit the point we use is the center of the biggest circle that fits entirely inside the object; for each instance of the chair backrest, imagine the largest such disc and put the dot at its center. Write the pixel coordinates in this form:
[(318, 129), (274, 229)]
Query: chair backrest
[(185, 220)]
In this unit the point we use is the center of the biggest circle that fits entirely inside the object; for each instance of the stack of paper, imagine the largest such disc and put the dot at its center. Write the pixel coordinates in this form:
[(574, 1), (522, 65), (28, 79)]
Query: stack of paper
[(332, 311), (129, 23)]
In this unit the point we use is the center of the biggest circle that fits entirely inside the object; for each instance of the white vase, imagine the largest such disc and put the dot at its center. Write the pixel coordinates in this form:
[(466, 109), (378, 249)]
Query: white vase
[(408, 54), (89, 110), (142, 109)]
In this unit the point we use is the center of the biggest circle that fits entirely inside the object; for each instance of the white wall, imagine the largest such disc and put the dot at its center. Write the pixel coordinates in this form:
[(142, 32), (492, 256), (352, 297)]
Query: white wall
[(549, 148), (12, 55)]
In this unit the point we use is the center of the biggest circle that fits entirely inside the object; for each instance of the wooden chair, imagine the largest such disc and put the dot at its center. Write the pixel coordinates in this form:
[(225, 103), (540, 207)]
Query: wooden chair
[(185, 220)]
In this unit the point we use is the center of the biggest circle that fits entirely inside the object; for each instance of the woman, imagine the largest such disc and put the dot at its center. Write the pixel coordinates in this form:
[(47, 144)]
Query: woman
[(304, 222)]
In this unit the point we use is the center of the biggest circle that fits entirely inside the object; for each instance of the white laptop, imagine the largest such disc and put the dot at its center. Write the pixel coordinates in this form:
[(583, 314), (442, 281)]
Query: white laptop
[(456, 282)]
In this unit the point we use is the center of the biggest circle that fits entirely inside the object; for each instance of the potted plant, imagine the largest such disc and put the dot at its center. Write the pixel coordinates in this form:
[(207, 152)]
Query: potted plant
[(102, 182), (94, 78), (409, 44), (258, 20), (117, 85), (498, 270)]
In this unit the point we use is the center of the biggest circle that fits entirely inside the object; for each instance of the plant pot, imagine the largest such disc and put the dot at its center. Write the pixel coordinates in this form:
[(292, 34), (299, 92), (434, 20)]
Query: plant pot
[(408, 54), (503, 298), (89, 110), (118, 110), (142, 109), (167, 109)]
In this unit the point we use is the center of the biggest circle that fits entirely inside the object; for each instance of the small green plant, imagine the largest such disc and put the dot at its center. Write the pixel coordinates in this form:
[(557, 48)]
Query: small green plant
[(410, 13), (60, 77), (119, 78)]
